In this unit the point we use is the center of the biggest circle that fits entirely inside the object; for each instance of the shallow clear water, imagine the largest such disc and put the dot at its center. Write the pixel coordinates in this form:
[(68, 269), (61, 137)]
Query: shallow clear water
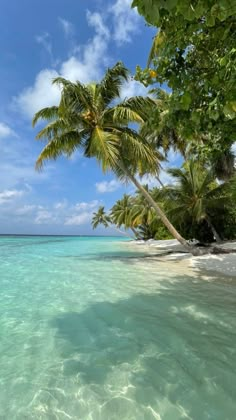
[(88, 331)]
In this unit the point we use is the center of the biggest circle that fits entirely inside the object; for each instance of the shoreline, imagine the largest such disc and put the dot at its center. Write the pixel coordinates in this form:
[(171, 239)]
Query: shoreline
[(170, 251)]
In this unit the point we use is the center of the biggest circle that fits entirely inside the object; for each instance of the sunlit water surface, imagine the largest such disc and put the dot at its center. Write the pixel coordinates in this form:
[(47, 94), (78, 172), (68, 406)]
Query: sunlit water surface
[(88, 331)]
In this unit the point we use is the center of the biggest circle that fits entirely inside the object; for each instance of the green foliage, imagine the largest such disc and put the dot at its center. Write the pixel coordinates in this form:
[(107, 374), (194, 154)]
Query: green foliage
[(195, 200), (155, 11), (133, 212), (225, 222), (161, 233), (194, 54), (100, 218), (87, 119), (196, 203), (120, 212)]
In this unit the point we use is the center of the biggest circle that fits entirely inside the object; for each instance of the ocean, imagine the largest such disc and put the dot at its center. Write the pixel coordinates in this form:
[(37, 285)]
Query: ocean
[(92, 328)]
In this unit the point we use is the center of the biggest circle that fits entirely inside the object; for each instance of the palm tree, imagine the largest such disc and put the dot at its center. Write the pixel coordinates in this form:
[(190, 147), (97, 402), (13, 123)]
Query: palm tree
[(196, 194), (102, 218), (224, 165), (142, 213), (88, 118), (120, 213)]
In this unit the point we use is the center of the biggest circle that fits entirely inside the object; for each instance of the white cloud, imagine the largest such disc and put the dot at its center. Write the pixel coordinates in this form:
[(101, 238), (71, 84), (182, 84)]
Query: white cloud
[(25, 210), (61, 205), (45, 217), (88, 61), (67, 27), (82, 213), (125, 21), (57, 214), (95, 20), (87, 206), (9, 195), (86, 66), (40, 95), (107, 186), (79, 219), (6, 131), (133, 88), (45, 41)]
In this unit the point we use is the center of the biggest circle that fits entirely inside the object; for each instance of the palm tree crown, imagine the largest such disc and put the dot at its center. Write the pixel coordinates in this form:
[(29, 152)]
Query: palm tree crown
[(100, 218), (196, 194), (120, 212), (88, 118)]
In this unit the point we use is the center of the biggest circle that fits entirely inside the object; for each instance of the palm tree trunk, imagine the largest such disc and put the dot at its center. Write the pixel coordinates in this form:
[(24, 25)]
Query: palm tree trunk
[(160, 182), (213, 229), (161, 214), (121, 231), (135, 233)]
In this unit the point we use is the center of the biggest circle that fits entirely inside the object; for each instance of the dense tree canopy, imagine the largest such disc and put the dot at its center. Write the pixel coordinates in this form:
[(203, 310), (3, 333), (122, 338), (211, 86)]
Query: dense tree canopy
[(194, 57), (195, 202), (196, 197)]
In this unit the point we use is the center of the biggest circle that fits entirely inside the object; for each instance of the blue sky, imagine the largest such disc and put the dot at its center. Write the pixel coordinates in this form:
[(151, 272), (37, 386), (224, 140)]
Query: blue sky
[(39, 40)]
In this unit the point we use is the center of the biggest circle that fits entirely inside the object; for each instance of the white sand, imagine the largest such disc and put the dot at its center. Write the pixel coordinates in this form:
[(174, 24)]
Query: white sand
[(222, 263)]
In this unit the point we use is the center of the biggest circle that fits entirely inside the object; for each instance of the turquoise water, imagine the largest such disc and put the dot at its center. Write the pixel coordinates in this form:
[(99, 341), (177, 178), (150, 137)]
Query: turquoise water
[(89, 331)]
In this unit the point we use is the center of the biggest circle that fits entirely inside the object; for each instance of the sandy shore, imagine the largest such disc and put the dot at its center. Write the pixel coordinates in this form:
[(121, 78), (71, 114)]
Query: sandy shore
[(222, 263)]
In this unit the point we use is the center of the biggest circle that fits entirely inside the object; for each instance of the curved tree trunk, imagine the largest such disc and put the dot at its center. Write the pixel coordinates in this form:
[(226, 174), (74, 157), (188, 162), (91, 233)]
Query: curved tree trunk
[(136, 234), (160, 182), (121, 231), (161, 214), (213, 229)]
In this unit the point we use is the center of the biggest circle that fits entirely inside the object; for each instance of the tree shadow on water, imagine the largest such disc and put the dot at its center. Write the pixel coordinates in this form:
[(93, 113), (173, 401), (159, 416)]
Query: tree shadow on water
[(162, 340)]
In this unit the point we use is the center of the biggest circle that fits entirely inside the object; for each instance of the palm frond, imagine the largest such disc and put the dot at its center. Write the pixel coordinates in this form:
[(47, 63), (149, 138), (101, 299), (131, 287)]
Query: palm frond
[(226, 189), (156, 45), (48, 113), (110, 85), (135, 109), (78, 98), (62, 82), (125, 115), (66, 143), (104, 146), (100, 217), (142, 157), (53, 129)]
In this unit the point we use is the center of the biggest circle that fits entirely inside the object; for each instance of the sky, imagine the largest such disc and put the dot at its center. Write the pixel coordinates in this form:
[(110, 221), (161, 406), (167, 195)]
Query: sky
[(40, 40)]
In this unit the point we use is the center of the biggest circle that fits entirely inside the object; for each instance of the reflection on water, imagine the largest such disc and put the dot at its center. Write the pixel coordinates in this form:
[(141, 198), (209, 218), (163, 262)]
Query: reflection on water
[(112, 338)]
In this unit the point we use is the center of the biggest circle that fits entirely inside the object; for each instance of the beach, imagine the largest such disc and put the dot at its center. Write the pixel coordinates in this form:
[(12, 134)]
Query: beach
[(171, 251)]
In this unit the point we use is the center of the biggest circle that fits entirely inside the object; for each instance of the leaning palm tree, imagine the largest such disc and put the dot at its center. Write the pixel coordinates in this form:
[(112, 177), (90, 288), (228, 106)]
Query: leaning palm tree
[(196, 195), (88, 118), (121, 211), (102, 218)]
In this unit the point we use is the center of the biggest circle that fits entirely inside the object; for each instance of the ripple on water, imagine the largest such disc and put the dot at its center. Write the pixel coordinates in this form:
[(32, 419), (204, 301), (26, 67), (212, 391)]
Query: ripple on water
[(110, 337)]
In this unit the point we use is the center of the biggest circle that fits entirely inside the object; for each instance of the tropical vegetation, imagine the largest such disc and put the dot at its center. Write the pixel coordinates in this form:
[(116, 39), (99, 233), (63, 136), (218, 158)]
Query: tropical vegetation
[(194, 55), (87, 119), (191, 109), (196, 203)]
